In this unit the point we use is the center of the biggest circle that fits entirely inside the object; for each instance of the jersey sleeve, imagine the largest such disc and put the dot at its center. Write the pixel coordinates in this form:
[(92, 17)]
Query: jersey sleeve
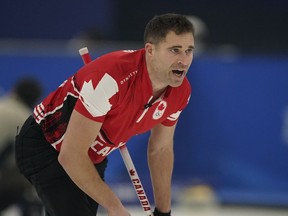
[(97, 90), (173, 118)]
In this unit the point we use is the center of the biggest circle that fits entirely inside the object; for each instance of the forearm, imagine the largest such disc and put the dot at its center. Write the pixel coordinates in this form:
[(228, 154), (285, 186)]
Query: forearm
[(161, 167), (83, 173)]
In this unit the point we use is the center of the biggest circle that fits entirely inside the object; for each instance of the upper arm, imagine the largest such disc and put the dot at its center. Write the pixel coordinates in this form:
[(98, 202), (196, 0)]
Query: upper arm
[(80, 134), (161, 136)]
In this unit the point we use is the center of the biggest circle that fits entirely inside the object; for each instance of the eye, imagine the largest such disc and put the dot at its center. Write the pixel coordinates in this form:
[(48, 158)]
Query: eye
[(174, 50), (189, 51)]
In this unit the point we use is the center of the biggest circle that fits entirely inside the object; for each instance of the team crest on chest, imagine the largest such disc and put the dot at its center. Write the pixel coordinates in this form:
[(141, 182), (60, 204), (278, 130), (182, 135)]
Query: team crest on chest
[(160, 109)]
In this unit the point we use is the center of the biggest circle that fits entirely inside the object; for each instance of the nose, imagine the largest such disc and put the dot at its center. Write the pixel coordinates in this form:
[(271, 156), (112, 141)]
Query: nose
[(184, 60)]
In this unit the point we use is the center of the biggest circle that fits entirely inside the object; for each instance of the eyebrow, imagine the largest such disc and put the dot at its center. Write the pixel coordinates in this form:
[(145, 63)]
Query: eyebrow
[(178, 46)]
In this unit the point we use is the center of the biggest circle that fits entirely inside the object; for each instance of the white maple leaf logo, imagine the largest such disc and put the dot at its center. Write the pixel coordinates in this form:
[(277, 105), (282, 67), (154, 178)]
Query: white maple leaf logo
[(96, 100)]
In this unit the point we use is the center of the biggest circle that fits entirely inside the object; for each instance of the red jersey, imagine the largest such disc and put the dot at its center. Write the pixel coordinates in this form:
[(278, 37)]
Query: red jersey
[(114, 89)]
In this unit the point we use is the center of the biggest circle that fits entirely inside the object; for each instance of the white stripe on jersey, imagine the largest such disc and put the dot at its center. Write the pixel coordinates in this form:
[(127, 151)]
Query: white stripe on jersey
[(96, 101), (174, 116), (39, 110), (58, 141)]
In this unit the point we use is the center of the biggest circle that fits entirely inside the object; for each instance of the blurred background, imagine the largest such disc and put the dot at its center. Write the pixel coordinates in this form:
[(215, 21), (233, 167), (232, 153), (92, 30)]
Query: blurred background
[(231, 145)]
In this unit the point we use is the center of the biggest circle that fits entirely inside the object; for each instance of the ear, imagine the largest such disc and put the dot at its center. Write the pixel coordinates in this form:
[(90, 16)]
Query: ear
[(149, 49)]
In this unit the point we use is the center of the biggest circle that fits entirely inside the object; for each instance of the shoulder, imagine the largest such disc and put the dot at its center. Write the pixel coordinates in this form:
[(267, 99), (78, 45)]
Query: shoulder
[(115, 64), (181, 94), (121, 60), (185, 88)]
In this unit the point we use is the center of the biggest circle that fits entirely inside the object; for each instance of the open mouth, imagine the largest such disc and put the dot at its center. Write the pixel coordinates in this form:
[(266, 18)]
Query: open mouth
[(178, 73)]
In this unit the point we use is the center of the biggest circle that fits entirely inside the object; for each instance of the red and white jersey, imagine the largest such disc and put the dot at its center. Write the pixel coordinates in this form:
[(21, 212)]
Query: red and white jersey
[(114, 89)]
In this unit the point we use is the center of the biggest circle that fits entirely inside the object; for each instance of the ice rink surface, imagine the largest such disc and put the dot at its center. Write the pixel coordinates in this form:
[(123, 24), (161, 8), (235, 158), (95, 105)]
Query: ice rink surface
[(184, 211), (216, 211)]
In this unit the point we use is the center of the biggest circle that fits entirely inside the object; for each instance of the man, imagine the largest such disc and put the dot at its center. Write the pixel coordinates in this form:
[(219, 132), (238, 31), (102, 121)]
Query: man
[(97, 110), (15, 107)]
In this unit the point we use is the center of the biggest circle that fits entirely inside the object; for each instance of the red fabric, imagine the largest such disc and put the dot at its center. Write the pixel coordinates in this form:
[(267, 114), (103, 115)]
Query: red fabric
[(113, 89)]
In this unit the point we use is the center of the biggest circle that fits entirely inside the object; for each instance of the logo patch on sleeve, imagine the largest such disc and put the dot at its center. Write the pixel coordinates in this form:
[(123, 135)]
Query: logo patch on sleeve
[(160, 109)]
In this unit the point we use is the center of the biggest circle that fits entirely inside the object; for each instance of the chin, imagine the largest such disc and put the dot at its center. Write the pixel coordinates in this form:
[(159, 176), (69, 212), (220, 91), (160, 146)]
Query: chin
[(176, 84)]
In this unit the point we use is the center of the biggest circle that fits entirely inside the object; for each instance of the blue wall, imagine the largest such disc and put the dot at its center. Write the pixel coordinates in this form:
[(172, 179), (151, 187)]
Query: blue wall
[(250, 25), (55, 19), (230, 134), (233, 127)]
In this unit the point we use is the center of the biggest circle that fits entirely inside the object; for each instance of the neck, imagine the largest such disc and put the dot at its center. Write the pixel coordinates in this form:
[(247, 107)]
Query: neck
[(157, 86), (158, 93)]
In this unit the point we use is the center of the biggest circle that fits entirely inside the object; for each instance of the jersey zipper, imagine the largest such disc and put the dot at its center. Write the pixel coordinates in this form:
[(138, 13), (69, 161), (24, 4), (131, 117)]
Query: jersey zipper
[(144, 111)]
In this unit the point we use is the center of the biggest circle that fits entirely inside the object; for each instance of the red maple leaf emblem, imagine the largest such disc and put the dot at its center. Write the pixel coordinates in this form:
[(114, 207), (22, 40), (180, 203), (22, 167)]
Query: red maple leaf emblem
[(161, 107)]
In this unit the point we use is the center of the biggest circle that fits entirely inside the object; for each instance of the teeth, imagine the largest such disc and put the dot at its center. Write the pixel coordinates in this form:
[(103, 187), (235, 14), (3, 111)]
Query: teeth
[(178, 72)]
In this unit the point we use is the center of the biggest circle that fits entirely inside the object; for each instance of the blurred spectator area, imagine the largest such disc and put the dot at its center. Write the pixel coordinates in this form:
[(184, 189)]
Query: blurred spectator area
[(249, 25)]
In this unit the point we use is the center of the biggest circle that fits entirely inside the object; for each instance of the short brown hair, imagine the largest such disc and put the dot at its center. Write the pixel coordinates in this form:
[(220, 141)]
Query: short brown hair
[(160, 25)]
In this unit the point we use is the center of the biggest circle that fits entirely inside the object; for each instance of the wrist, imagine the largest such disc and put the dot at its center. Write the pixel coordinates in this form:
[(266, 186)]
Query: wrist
[(158, 213)]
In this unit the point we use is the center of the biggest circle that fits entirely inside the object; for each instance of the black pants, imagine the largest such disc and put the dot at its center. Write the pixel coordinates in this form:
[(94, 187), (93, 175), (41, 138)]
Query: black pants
[(37, 160)]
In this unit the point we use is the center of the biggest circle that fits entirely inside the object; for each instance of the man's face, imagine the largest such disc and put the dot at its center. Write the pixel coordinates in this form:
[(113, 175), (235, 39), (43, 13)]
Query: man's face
[(170, 59)]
